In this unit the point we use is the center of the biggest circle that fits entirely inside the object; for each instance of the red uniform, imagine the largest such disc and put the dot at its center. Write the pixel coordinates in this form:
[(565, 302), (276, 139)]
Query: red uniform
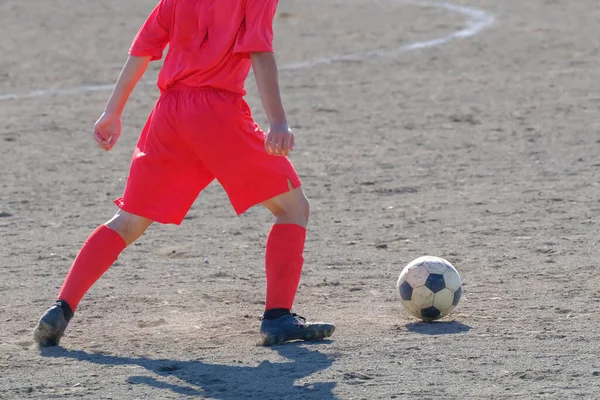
[(201, 128)]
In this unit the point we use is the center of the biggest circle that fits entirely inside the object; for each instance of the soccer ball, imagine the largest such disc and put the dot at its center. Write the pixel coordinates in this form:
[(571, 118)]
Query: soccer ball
[(430, 288)]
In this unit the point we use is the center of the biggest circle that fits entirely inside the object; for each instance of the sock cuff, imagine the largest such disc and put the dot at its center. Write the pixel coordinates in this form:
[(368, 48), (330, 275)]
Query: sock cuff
[(275, 313), (67, 310), (292, 234), (289, 228), (108, 234)]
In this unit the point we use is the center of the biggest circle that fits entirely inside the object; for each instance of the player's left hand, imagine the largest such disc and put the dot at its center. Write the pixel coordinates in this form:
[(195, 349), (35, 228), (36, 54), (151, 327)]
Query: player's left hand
[(107, 130), (280, 140)]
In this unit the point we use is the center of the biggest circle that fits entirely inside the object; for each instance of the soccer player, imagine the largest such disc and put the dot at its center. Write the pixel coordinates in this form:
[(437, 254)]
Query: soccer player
[(201, 129)]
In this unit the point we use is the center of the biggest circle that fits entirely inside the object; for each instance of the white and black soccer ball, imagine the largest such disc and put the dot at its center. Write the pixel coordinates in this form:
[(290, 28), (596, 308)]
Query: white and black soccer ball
[(430, 288)]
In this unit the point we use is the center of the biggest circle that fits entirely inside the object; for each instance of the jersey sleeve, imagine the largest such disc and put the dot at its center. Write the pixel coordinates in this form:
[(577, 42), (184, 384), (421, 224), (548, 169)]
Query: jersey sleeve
[(153, 37), (256, 34)]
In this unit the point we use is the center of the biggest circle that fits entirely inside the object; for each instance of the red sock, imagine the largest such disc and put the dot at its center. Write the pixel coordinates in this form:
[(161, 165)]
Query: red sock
[(283, 262), (96, 256)]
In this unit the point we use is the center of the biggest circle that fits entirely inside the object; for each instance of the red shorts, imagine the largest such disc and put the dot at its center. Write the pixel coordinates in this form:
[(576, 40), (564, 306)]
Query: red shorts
[(193, 136)]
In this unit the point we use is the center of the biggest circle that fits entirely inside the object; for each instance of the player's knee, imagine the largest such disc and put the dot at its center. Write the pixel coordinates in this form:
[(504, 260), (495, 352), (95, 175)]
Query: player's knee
[(290, 207), (129, 226), (304, 207), (296, 210)]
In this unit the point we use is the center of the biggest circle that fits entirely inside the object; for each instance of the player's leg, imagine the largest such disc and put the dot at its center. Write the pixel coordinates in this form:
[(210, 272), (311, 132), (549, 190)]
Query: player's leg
[(97, 255), (283, 264), (164, 180), (284, 251), (231, 145)]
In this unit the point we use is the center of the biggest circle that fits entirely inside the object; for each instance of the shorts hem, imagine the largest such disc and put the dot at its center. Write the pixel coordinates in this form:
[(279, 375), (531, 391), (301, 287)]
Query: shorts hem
[(243, 206), (155, 217)]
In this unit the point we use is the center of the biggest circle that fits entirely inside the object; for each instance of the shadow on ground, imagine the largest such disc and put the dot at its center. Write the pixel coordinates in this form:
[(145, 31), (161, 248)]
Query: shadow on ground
[(227, 382), (438, 327)]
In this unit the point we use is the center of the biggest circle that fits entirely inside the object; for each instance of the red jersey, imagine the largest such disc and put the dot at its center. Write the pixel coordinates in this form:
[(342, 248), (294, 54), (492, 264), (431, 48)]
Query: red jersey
[(210, 41)]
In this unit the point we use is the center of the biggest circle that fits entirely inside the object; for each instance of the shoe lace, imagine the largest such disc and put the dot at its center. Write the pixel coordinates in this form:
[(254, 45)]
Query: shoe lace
[(298, 317)]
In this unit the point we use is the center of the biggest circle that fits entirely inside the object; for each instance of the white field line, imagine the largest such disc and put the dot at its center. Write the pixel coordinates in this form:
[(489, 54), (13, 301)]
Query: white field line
[(477, 20)]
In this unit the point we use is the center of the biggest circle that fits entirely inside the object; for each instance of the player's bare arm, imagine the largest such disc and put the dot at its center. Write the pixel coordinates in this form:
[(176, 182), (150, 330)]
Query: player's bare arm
[(280, 139), (108, 127)]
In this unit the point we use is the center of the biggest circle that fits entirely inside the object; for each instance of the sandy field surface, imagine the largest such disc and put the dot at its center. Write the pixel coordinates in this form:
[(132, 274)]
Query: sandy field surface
[(466, 130)]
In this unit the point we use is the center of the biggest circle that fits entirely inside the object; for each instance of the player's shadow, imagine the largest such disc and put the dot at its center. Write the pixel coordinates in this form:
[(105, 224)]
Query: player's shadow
[(225, 382), (438, 327)]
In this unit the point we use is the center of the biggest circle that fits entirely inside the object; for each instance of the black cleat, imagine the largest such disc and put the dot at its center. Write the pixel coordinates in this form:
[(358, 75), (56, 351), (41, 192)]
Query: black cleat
[(293, 327), (52, 325)]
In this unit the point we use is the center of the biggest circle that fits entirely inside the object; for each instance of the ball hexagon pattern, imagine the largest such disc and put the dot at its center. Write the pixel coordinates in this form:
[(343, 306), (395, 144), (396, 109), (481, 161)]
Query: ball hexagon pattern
[(444, 300), (422, 297), (416, 276), (452, 279), (435, 265), (430, 288)]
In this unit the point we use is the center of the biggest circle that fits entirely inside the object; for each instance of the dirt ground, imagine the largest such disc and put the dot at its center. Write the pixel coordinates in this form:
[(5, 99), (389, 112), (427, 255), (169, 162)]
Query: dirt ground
[(482, 150)]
